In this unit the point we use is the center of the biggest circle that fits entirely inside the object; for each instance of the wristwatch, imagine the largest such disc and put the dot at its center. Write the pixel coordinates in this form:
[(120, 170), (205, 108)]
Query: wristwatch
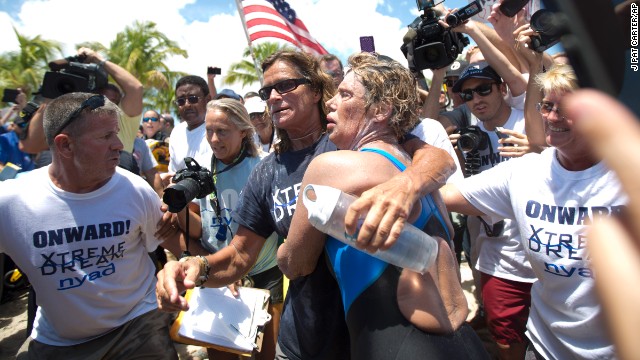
[(205, 269), (27, 112)]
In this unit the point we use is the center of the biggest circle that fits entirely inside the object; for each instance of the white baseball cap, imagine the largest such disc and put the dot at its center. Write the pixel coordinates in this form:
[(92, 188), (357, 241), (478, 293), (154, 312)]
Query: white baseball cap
[(255, 105)]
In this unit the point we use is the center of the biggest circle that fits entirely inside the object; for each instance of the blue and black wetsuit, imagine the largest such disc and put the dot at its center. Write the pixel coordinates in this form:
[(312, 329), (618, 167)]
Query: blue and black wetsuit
[(377, 328)]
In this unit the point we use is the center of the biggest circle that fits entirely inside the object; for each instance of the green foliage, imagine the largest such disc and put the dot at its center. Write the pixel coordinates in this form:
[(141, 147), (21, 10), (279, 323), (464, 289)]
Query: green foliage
[(140, 49), (25, 68), (245, 72)]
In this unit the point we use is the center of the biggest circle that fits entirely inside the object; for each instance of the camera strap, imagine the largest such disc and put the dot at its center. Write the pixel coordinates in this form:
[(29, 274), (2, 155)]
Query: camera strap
[(213, 197)]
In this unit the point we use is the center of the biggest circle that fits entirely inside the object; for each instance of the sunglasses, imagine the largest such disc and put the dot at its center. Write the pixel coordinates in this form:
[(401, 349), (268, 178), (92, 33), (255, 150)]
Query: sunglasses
[(546, 108), (152, 119), (282, 87), (482, 90), (256, 116), (494, 230), (192, 99), (91, 103)]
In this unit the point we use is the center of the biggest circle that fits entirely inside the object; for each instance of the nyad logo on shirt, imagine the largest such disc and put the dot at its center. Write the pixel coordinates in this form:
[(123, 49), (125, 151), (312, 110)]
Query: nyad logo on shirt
[(563, 236), (80, 265), (284, 201)]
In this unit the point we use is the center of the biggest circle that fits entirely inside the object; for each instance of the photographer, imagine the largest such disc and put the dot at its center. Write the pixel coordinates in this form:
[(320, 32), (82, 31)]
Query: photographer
[(211, 226), (496, 252), (129, 101)]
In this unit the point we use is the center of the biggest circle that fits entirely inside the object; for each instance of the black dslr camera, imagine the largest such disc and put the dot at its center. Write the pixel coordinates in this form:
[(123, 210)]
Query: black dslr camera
[(472, 139), (428, 45), (72, 75), (192, 182)]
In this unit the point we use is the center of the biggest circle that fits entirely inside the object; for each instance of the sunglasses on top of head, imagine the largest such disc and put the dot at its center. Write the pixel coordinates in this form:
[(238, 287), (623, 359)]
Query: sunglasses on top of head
[(482, 90), (282, 87), (192, 99), (92, 103)]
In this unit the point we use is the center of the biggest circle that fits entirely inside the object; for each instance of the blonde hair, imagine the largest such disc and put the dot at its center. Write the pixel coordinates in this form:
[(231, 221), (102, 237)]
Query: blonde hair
[(559, 78), (388, 81), (238, 115)]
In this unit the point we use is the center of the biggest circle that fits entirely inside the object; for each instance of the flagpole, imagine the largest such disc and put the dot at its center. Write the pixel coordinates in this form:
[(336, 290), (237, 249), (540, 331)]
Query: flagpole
[(246, 32)]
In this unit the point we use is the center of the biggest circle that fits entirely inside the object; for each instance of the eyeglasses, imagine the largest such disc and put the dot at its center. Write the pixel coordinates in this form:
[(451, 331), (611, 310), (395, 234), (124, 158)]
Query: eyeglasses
[(256, 116), (192, 99), (92, 103), (282, 87), (152, 119), (493, 231), (482, 90), (545, 108)]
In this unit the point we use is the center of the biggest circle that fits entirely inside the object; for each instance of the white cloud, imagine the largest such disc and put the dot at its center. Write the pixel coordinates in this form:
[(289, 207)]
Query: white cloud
[(219, 41), (338, 25)]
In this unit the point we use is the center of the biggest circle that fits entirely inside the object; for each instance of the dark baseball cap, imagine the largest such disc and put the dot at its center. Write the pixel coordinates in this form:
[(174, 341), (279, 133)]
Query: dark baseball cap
[(456, 68), (480, 70)]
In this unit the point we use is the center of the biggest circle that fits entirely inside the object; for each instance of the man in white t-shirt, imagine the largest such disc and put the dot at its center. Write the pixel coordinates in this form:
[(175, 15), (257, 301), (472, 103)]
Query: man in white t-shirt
[(81, 230), (188, 138), (496, 250)]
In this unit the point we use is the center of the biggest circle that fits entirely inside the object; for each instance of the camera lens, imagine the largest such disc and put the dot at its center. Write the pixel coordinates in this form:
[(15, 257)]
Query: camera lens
[(179, 195), (452, 20), (468, 142)]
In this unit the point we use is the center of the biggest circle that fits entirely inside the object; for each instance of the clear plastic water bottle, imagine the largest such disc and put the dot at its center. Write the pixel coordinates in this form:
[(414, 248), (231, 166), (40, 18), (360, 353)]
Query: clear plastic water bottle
[(327, 207)]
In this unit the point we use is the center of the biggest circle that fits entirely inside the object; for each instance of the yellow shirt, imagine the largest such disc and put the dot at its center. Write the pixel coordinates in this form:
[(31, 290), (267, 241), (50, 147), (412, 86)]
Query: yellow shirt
[(128, 130)]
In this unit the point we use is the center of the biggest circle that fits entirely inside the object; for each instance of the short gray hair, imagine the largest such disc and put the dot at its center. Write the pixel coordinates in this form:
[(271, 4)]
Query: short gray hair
[(61, 108)]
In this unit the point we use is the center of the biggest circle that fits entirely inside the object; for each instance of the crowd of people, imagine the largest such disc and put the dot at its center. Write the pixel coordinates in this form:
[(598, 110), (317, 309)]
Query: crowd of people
[(500, 161)]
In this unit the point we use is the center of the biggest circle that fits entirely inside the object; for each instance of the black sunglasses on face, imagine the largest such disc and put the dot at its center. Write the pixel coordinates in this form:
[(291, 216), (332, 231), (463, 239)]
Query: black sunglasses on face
[(192, 99), (152, 119), (482, 90), (92, 103), (282, 87)]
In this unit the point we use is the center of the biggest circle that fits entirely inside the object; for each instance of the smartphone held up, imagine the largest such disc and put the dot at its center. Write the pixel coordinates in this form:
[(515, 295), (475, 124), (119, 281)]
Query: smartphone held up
[(10, 95)]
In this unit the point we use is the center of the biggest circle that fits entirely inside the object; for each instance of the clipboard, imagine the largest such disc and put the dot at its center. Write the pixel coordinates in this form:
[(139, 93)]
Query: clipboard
[(218, 320)]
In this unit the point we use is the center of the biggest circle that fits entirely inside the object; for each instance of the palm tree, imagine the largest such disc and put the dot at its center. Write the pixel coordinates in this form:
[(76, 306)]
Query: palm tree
[(245, 72), (141, 49), (162, 99), (25, 68)]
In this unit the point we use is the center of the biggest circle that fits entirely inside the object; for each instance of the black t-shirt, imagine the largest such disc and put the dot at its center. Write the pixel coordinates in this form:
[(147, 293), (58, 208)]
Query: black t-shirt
[(312, 325)]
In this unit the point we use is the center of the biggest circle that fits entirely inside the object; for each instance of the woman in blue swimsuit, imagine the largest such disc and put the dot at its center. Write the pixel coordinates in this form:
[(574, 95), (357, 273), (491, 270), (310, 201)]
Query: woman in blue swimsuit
[(391, 313)]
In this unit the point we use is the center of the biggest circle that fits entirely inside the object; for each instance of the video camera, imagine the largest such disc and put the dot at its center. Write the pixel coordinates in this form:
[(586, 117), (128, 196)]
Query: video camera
[(429, 45), (71, 74), (193, 182), (550, 27)]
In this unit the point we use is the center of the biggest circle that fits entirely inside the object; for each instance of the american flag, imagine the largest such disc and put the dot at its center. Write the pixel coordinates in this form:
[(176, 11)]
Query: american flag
[(276, 19)]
